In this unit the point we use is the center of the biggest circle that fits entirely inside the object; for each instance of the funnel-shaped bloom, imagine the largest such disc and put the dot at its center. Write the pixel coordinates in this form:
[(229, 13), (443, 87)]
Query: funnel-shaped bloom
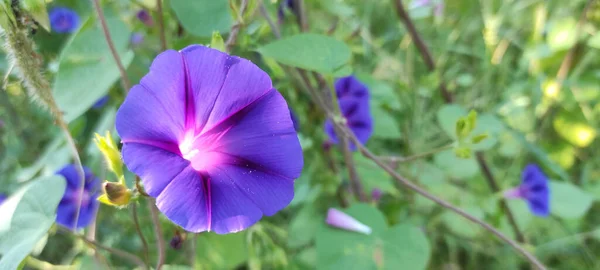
[(67, 208), (353, 98), (63, 20), (339, 219), (211, 139), (534, 189)]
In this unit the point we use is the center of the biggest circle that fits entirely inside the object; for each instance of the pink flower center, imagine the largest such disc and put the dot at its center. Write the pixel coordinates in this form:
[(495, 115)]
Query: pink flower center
[(85, 197), (193, 148)]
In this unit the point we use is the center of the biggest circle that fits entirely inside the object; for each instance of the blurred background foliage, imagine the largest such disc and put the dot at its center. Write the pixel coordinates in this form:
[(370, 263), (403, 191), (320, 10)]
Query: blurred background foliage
[(529, 67)]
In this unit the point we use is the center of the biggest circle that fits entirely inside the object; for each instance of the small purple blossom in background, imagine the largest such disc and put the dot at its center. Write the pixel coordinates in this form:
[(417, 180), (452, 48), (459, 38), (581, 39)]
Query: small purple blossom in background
[(353, 98), (145, 17), (211, 139), (67, 208), (341, 220), (286, 4), (100, 102), (2, 198), (63, 20), (136, 38), (376, 195), (534, 189)]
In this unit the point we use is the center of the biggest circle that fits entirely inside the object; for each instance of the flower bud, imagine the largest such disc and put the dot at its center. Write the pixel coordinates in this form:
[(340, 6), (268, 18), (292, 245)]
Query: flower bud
[(111, 153), (115, 194), (177, 240), (339, 219)]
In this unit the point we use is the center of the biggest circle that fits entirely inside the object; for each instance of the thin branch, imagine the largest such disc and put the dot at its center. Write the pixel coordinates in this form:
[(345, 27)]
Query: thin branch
[(425, 53), (117, 252), (111, 45), (495, 188), (160, 241), (265, 14), (161, 25), (136, 222), (235, 29), (567, 62), (397, 160), (408, 184), (429, 62)]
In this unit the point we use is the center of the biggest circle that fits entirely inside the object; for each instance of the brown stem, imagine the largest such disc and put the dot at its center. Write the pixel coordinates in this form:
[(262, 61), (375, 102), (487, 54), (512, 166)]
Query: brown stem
[(136, 222), (235, 29), (124, 80), (117, 252), (160, 241), (265, 14), (408, 184), (429, 62), (495, 188), (425, 53), (397, 160), (161, 25)]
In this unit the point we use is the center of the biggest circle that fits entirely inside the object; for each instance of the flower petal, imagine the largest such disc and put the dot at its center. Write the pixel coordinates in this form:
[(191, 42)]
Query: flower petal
[(184, 201), (154, 110), (339, 219), (269, 192), (231, 210), (156, 167), (273, 147), (221, 84)]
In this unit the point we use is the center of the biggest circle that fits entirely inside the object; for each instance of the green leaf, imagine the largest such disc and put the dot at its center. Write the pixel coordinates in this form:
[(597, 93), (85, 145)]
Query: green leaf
[(202, 17), (382, 94), (447, 117), (87, 69), (372, 176), (400, 247), (568, 201), (594, 41), (456, 167), (562, 34), (462, 226), (26, 217), (37, 9), (303, 227), (309, 51), (385, 124), (573, 127), (221, 251)]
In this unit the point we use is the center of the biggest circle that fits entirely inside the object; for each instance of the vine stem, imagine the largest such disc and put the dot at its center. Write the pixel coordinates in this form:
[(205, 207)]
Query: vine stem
[(160, 241), (161, 25), (430, 63), (136, 222), (117, 252), (235, 29), (396, 160), (124, 80)]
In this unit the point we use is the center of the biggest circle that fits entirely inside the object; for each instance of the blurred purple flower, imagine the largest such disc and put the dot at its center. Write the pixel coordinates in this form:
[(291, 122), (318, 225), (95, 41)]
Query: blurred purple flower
[(376, 194), (67, 207), (211, 139), (353, 97), (534, 189), (100, 102), (137, 38), (2, 198), (145, 17), (339, 219), (63, 20), (286, 4)]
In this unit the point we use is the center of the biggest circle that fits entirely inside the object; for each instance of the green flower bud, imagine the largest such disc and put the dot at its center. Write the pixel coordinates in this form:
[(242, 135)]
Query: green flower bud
[(115, 194), (111, 154), (479, 138)]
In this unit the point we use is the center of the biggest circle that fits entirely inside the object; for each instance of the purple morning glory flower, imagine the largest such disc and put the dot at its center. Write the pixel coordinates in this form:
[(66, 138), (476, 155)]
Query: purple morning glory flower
[(534, 189), (65, 215), (64, 20), (100, 102), (136, 38), (2, 198), (211, 139), (339, 219), (145, 17), (353, 97), (295, 120)]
